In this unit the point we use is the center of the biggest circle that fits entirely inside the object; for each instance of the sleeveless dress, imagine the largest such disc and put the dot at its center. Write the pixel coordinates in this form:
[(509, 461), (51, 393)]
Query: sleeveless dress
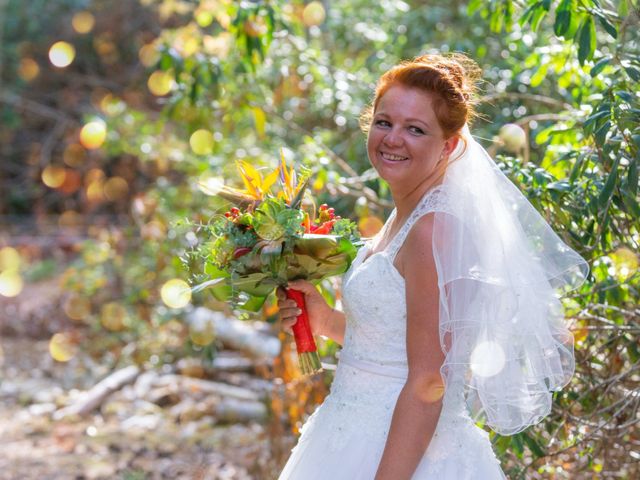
[(345, 437)]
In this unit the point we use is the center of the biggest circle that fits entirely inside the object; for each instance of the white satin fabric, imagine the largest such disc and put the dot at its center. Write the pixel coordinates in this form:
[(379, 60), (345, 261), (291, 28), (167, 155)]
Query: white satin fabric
[(345, 437)]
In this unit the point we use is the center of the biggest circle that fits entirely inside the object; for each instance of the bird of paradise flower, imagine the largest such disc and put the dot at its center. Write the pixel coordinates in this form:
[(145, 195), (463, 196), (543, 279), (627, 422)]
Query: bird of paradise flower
[(257, 187)]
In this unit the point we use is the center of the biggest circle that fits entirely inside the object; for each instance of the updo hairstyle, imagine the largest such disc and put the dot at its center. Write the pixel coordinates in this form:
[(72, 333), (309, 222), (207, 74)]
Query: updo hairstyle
[(450, 78)]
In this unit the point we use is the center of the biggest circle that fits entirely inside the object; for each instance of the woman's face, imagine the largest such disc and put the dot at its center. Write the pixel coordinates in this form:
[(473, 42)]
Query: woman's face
[(405, 141)]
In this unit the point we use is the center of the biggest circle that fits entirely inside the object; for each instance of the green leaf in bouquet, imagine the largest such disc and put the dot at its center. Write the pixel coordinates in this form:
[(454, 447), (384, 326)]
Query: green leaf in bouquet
[(253, 303), (273, 220), (317, 246), (320, 256), (256, 284), (214, 272), (218, 285), (311, 268), (347, 229), (208, 284), (323, 246), (301, 266)]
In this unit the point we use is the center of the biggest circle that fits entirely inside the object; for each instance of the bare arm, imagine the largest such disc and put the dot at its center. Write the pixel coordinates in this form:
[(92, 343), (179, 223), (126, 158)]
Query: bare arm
[(419, 404), (334, 326)]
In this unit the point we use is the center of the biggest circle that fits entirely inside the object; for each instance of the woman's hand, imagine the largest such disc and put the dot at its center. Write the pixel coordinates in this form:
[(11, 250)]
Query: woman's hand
[(319, 311)]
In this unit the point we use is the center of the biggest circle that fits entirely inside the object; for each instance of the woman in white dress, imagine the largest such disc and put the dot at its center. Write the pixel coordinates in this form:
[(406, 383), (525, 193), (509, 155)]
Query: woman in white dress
[(450, 314)]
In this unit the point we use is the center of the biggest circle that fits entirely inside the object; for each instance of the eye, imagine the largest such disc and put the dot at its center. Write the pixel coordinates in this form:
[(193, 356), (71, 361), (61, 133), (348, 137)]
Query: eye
[(382, 123), (416, 130)]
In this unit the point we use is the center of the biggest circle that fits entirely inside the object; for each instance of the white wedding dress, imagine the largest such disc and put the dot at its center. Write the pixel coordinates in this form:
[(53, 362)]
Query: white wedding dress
[(345, 437)]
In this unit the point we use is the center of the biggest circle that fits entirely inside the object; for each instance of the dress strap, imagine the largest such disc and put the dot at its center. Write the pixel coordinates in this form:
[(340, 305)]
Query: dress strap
[(433, 201)]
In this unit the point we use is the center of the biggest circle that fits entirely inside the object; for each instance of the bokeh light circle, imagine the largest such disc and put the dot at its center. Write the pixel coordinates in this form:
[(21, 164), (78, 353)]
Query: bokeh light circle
[(61, 347), (202, 334), (28, 69), (160, 83), (72, 181), (112, 316), (115, 188), (369, 226), (313, 14), (176, 293), (148, 55), (61, 54), (513, 137), (11, 283), (93, 134), (487, 359), (201, 142), (204, 17), (74, 155), (53, 176), (9, 259), (431, 388), (83, 22), (77, 307), (625, 262), (69, 219)]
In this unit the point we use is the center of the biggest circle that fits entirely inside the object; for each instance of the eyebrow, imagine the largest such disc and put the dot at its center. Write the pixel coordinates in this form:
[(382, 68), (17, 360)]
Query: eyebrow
[(407, 119)]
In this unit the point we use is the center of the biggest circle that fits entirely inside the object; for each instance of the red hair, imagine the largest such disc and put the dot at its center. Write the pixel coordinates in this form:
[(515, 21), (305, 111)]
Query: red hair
[(449, 78)]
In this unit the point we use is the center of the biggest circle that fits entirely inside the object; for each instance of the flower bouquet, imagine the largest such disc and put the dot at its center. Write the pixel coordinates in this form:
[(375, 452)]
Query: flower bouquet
[(268, 238)]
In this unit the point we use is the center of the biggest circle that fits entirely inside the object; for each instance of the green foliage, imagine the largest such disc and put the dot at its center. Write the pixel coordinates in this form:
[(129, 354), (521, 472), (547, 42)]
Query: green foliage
[(260, 78)]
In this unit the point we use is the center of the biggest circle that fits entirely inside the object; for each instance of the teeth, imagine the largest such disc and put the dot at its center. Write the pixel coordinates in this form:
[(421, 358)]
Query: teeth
[(393, 158)]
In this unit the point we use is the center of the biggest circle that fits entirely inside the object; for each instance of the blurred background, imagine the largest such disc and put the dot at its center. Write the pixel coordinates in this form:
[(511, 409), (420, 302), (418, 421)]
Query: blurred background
[(113, 114)]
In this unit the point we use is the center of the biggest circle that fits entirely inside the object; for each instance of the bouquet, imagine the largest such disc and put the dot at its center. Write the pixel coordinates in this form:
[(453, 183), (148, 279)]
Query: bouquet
[(268, 238)]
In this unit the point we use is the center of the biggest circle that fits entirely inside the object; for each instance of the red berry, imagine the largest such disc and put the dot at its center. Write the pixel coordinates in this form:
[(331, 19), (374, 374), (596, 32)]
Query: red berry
[(323, 207)]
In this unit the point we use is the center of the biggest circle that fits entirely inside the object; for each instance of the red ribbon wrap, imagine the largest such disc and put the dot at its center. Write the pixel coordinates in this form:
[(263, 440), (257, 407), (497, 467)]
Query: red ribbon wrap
[(302, 329)]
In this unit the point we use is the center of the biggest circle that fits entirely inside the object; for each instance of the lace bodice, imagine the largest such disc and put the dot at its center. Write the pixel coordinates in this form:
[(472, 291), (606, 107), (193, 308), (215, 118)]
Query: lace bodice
[(374, 294)]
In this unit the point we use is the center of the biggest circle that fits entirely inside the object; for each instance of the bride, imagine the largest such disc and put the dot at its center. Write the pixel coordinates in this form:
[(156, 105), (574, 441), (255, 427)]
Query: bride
[(450, 311)]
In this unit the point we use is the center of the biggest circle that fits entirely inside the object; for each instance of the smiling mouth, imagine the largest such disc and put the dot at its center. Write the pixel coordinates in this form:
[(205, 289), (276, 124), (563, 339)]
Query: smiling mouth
[(392, 158)]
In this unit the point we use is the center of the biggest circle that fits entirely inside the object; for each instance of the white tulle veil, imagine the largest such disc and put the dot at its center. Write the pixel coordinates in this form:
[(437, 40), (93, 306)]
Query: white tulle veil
[(501, 270)]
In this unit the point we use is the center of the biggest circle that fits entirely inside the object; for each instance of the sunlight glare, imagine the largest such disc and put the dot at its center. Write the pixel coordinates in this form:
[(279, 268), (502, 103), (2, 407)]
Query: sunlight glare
[(487, 359)]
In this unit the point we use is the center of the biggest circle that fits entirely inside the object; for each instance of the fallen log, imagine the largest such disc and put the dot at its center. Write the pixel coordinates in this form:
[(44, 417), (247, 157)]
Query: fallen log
[(182, 383), (94, 397), (234, 411), (235, 333)]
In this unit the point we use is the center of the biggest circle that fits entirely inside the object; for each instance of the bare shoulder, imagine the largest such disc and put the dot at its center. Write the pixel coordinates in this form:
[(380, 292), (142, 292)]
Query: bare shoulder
[(419, 241), (416, 255)]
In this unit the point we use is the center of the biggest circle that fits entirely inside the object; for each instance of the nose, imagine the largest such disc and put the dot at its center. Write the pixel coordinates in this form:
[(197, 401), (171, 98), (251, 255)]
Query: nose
[(392, 138)]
